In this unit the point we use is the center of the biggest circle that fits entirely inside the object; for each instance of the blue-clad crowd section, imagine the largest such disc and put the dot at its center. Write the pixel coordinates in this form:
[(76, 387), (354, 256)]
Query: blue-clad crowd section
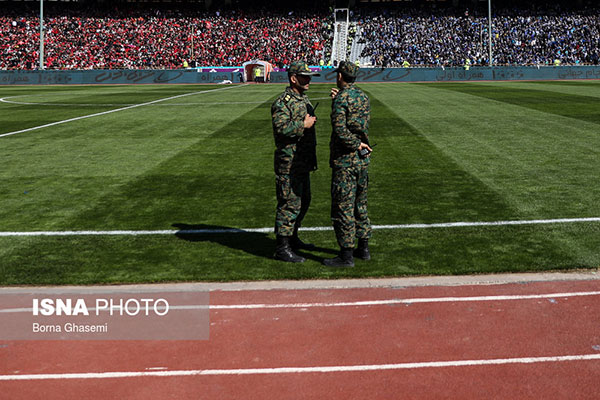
[(192, 76)]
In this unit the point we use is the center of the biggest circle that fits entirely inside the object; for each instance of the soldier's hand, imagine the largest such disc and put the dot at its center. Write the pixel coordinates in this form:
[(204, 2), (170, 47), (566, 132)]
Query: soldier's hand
[(364, 146), (334, 92), (309, 121)]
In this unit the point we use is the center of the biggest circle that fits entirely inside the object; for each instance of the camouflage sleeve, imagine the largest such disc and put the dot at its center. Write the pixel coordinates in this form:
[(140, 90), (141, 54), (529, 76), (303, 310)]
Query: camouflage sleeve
[(339, 115), (282, 120), (360, 117)]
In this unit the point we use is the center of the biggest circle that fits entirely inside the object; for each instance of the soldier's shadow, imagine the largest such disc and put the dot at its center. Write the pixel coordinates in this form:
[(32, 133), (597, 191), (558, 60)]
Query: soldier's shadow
[(256, 243)]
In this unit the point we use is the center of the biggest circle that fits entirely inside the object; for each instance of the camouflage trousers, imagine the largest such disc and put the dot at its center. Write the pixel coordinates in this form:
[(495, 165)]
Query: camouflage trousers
[(349, 205), (293, 199)]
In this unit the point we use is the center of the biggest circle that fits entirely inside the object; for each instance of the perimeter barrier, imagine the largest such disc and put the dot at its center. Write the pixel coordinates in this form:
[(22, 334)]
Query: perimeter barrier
[(232, 75)]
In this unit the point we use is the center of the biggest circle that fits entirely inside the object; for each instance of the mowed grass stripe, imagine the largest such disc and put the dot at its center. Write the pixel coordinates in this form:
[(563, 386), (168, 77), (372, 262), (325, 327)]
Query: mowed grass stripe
[(206, 181), (427, 183), (413, 181), (536, 178), (46, 181), (222, 179), (137, 198), (577, 88), (576, 106), (28, 117), (225, 179), (545, 166), (572, 173), (111, 111)]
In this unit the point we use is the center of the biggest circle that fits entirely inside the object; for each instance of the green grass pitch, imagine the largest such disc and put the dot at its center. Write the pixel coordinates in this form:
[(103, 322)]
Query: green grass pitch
[(193, 157)]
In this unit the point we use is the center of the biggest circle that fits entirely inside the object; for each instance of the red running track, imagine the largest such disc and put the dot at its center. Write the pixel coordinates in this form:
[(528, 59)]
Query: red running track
[(524, 346)]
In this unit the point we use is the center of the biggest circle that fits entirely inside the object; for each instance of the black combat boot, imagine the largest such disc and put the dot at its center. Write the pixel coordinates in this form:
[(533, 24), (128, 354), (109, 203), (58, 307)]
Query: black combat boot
[(345, 259), (362, 251), (298, 244), (284, 252)]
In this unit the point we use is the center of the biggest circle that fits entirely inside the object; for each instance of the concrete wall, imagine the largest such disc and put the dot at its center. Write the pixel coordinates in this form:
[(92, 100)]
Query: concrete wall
[(192, 76)]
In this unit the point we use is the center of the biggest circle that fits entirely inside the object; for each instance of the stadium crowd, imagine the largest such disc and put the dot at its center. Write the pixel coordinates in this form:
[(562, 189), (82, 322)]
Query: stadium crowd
[(523, 37), (162, 40), (135, 39)]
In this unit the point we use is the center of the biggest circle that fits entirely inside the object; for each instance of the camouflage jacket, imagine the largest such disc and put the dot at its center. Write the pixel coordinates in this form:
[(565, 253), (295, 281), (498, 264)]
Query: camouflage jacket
[(295, 146), (350, 115)]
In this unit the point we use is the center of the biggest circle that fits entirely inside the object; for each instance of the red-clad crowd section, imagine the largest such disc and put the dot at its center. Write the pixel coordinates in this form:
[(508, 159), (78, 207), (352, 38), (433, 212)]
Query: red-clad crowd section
[(151, 39)]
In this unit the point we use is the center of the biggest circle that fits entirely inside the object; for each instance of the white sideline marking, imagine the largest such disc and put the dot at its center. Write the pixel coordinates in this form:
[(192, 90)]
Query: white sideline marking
[(308, 229), (113, 111), (365, 303), (297, 370)]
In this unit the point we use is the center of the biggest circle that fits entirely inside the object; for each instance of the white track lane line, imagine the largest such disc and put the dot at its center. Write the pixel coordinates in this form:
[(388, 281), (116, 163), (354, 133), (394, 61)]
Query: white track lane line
[(365, 303), (387, 302), (298, 370), (306, 229), (114, 111)]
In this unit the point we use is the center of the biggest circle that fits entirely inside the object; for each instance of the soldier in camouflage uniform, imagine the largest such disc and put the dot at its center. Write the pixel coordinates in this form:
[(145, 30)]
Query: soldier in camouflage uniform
[(295, 157), (349, 160)]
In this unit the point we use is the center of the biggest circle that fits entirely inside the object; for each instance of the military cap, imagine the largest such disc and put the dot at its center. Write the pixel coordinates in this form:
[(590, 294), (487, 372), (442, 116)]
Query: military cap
[(347, 68), (301, 68)]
